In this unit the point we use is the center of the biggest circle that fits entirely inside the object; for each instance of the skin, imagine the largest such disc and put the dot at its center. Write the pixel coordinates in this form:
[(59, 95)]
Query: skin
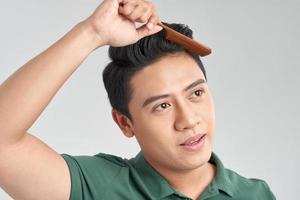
[(162, 125), (27, 92)]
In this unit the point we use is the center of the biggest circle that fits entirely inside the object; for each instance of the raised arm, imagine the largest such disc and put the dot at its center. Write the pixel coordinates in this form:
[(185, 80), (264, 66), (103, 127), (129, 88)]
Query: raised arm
[(29, 169)]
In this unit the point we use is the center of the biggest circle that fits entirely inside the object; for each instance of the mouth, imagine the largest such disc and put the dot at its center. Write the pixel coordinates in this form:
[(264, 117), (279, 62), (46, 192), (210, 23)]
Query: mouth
[(192, 140), (194, 143)]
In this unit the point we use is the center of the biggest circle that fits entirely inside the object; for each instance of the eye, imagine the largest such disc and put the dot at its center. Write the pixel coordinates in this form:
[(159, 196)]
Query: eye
[(198, 93), (161, 107)]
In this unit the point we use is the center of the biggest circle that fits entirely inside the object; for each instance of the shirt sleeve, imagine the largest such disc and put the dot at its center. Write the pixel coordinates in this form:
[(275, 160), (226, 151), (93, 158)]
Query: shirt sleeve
[(269, 194), (90, 176)]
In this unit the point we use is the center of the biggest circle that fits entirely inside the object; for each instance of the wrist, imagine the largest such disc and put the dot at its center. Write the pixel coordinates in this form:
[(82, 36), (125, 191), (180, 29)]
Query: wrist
[(88, 32)]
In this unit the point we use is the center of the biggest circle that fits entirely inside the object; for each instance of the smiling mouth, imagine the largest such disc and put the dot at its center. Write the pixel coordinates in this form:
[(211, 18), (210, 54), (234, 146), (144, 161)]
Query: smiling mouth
[(193, 140), (194, 144)]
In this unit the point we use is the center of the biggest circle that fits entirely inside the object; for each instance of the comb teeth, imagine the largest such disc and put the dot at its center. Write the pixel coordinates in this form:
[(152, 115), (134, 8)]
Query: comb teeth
[(188, 43)]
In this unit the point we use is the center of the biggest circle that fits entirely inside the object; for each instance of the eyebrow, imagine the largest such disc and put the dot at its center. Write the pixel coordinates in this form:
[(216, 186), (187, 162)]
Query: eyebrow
[(162, 96)]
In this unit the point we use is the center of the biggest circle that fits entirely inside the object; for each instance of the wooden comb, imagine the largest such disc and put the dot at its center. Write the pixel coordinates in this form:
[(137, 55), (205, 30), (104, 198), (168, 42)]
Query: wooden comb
[(188, 43)]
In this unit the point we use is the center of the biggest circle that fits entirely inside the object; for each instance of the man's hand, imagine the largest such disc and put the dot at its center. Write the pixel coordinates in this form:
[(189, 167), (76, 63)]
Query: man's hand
[(26, 163), (113, 21)]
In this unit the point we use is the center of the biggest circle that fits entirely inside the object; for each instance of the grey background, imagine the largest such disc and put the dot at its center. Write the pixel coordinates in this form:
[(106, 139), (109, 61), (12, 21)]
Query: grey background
[(252, 73)]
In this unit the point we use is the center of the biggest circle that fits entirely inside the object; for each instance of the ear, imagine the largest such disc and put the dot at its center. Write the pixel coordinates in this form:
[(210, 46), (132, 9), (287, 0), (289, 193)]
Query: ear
[(123, 122)]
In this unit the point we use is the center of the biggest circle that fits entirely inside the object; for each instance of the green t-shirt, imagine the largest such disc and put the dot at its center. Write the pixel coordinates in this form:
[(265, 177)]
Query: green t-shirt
[(105, 176)]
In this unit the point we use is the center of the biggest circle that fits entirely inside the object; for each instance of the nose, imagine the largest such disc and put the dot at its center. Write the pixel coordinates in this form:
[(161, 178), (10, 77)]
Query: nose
[(186, 117)]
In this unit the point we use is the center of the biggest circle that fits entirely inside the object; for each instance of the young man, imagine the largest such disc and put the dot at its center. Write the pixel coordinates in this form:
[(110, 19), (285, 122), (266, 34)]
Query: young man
[(159, 94)]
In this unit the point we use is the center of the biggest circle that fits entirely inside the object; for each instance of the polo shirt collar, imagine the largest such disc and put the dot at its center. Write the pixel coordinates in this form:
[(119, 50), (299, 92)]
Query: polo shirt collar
[(222, 181), (159, 188)]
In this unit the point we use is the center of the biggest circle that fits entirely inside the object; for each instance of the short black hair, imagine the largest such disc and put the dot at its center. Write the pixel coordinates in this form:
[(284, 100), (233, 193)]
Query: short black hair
[(128, 60)]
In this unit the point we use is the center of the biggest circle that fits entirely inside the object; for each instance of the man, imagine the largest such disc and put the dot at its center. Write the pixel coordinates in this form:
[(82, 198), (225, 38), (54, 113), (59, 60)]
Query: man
[(159, 94)]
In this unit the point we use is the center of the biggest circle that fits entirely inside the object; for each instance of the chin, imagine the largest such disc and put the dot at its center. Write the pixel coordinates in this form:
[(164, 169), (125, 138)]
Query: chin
[(193, 162)]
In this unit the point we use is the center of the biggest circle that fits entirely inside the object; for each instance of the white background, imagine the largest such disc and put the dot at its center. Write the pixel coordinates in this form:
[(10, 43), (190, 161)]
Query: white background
[(253, 75)]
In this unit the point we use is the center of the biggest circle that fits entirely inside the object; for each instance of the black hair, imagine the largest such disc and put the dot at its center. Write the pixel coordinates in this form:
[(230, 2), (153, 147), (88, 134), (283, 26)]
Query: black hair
[(128, 60)]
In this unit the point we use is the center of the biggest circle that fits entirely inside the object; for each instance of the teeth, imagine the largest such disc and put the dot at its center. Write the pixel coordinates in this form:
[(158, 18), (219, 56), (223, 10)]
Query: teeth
[(192, 142)]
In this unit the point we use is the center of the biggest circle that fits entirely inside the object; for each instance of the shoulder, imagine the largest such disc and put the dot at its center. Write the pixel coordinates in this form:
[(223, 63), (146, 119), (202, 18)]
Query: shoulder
[(254, 187), (101, 160), (104, 167), (93, 176)]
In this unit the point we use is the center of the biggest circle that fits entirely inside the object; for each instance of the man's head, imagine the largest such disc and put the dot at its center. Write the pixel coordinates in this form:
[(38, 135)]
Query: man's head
[(159, 94)]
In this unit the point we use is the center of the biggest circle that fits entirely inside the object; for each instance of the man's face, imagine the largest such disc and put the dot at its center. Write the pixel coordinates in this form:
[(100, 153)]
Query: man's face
[(168, 106)]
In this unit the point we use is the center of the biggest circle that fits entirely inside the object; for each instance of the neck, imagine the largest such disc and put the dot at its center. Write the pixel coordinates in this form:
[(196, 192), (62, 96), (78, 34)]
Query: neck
[(192, 182)]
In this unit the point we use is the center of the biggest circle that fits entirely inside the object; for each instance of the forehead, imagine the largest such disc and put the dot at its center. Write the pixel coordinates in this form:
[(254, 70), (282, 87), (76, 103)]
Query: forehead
[(170, 74)]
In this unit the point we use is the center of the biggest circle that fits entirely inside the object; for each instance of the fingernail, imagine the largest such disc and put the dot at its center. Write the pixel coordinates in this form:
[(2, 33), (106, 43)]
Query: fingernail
[(150, 25)]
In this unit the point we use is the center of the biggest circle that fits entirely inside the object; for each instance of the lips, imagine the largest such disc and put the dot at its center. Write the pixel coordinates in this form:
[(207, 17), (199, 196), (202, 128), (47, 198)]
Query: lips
[(193, 139)]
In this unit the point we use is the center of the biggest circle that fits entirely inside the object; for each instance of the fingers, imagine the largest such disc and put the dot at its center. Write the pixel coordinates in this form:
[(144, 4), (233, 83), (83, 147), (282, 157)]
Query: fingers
[(153, 20), (145, 17), (139, 11), (144, 31), (126, 8)]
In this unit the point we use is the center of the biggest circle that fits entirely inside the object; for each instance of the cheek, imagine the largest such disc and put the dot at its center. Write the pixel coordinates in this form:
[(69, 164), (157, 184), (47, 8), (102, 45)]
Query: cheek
[(208, 107), (211, 109), (205, 110), (210, 116), (153, 129)]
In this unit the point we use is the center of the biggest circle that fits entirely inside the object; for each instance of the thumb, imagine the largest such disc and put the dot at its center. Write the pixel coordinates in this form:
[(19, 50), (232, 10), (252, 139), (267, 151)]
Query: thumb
[(144, 31)]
